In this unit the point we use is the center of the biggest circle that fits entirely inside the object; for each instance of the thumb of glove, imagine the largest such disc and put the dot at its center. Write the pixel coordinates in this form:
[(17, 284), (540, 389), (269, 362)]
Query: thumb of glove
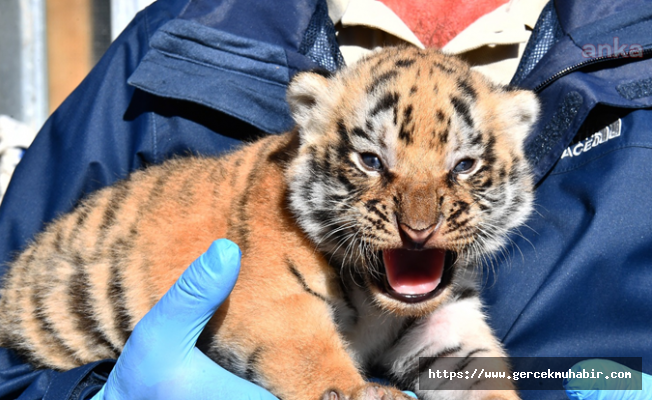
[(162, 345), (185, 309)]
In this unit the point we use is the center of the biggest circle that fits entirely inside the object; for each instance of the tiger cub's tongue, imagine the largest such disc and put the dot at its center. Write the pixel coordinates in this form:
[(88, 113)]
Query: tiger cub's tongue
[(414, 271)]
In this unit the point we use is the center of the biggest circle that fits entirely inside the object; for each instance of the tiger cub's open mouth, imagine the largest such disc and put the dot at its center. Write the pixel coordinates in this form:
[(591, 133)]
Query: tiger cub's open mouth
[(413, 276)]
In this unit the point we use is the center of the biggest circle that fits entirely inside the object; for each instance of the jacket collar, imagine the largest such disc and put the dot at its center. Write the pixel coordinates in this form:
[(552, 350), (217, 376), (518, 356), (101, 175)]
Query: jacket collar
[(571, 79)]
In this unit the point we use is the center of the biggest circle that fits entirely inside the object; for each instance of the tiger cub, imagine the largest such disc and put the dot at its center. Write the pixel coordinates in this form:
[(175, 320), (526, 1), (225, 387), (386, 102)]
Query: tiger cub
[(359, 230)]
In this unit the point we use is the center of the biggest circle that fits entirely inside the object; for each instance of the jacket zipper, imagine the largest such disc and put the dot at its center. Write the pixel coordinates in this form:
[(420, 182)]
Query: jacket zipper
[(568, 70)]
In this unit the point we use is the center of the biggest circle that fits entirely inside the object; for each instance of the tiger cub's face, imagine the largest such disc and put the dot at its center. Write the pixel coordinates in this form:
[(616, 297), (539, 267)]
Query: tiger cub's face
[(409, 166)]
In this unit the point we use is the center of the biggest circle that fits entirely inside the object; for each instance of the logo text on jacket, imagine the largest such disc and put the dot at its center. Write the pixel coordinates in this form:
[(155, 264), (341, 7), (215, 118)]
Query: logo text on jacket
[(602, 136)]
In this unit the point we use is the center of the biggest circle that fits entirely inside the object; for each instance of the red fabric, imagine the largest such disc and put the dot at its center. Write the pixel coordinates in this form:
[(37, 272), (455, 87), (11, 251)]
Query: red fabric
[(436, 22)]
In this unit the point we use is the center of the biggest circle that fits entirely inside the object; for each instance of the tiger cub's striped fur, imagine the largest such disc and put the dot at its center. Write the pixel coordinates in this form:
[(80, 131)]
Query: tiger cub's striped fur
[(358, 230)]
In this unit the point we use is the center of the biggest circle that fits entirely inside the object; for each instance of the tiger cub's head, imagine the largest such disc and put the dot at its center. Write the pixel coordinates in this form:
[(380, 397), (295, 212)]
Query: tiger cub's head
[(410, 165)]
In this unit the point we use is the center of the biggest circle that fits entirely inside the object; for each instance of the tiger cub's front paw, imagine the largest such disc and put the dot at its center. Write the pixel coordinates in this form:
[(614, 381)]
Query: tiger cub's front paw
[(369, 391)]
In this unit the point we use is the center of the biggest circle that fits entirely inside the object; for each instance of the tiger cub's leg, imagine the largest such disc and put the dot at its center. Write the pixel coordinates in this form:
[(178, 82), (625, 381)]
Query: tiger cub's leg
[(457, 329), (294, 351)]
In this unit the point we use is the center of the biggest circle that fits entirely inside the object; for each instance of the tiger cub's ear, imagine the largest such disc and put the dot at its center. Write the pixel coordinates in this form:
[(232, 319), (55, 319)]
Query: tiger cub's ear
[(520, 108), (305, 97)]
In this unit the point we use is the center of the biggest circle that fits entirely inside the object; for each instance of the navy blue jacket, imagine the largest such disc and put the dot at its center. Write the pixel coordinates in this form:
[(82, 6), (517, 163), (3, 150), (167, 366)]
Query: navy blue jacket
[(200, 76), (578, 280)]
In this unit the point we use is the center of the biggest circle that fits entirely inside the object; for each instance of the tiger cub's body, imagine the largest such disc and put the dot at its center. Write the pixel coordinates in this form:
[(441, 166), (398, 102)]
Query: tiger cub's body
[(358, 230)]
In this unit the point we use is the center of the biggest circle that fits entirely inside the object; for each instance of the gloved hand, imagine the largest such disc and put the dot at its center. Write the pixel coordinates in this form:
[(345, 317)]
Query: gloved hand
[(160, 360), (607, 389)]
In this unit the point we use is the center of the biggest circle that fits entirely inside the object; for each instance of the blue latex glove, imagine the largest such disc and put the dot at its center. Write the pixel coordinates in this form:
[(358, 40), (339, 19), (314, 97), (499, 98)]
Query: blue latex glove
[(608, 389), (160, 360)]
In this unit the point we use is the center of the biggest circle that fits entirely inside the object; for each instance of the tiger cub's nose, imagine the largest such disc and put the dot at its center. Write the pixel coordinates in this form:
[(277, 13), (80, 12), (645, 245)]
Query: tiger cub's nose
[(415, 238)]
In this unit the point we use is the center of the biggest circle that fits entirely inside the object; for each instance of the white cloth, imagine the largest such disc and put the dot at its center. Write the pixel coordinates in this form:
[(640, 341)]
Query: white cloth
[(15, 137)]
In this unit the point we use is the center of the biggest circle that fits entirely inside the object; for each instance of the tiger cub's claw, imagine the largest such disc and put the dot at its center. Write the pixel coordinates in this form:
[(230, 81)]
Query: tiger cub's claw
[(369, 391)]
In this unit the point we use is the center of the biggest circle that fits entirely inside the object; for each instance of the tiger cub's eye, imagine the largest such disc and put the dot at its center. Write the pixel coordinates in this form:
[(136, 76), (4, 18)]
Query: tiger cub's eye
[(463, 166), (371, 161)]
